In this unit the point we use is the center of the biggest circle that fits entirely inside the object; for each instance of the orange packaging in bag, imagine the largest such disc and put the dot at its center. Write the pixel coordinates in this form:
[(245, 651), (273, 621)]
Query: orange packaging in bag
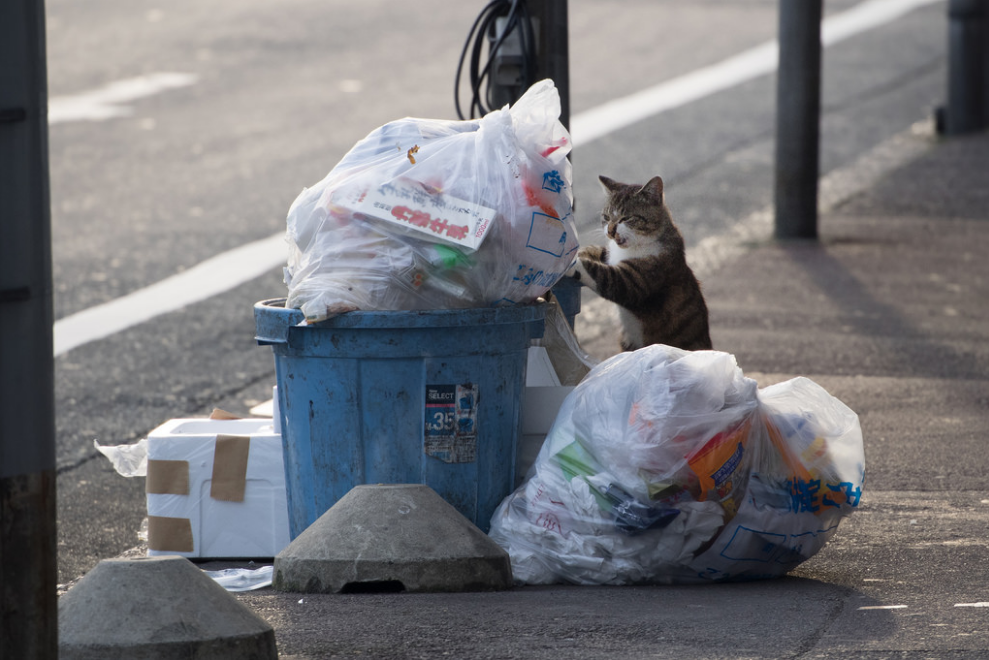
[(719, 464)]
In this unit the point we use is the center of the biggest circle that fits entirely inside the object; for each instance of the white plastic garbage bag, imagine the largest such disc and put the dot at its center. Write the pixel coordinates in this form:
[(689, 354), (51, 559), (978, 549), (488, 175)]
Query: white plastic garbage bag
[(669, 466), (435, 214)]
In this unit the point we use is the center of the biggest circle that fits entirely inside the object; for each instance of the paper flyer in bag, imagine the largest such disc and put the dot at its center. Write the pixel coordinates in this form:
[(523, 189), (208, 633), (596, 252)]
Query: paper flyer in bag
[(410, 204)]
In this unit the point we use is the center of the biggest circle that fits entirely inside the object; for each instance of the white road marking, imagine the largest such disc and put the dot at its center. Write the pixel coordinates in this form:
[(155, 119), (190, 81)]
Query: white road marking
[(242, 264), (980, 604), (883, 607), (866, 16), (585, 127), (204, 280), (106, 102)]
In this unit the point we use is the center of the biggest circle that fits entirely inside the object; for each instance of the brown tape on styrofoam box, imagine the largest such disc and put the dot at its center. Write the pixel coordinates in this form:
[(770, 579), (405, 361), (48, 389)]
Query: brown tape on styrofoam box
[(170, 534), (229, 478), (167, 477)]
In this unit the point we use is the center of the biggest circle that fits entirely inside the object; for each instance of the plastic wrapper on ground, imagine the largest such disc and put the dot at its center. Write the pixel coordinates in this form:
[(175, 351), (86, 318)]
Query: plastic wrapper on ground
[(671, 467), (435, 214)]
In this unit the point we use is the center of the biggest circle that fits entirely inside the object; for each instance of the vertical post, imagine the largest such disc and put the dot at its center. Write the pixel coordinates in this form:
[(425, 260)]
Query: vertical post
[(554, 49), (967, 107), (29, 627), (798, 109)]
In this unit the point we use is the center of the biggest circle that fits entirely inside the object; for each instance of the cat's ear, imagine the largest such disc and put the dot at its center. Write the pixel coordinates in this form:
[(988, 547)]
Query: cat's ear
[(609, 184), (653, 189)]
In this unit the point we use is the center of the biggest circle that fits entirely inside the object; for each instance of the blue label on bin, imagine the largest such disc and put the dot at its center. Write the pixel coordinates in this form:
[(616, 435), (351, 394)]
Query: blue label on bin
[(451, 423)]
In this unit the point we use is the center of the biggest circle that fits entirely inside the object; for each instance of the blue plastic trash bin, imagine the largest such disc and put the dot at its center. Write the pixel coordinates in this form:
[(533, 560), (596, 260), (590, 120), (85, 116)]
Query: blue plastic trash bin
[(431, 397)]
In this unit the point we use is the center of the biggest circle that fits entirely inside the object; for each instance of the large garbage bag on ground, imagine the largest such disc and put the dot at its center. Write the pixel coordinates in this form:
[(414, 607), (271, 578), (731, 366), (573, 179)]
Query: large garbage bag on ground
[(435, 214), (669, 466)]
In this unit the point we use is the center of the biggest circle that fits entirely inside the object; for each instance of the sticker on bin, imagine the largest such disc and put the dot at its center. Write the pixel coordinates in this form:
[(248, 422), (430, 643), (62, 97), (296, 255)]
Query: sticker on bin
[(412, 205), (451, 423)]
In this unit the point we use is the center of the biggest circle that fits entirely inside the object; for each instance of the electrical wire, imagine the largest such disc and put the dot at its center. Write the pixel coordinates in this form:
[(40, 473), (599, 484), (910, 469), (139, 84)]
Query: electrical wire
[(516, 14)]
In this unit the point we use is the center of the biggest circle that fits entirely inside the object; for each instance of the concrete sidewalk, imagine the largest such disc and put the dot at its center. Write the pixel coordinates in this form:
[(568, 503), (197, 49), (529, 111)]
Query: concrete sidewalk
[(888, 311)]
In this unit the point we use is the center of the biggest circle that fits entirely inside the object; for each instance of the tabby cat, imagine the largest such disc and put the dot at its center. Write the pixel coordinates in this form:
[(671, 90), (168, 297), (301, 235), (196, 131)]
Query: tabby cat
[(644, 270)]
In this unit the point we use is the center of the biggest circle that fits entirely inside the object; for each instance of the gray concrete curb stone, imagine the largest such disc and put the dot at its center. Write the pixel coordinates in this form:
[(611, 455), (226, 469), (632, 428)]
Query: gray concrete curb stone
[(392, 538), (157, 607)]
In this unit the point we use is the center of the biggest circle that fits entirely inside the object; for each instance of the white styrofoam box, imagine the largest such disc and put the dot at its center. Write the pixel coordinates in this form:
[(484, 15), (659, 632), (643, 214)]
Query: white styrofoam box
[(207, 521), (540, 406)]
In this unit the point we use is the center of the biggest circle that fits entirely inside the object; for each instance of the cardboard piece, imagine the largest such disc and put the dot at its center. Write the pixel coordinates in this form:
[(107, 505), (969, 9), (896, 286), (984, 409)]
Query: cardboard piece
[(219, 413)]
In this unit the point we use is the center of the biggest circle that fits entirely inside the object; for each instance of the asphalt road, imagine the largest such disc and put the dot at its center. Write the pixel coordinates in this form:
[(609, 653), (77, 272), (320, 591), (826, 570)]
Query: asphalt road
[(278, 92)]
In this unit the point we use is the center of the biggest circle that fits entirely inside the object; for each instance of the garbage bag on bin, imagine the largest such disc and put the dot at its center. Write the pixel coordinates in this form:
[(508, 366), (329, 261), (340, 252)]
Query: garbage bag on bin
[(669, 466), (435, 214)]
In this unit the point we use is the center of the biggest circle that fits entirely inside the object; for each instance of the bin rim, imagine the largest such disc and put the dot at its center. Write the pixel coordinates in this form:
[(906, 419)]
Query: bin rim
[(273, 320)]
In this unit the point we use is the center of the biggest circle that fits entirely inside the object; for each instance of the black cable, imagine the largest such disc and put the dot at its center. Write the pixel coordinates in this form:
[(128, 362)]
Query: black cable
[(516, 14)]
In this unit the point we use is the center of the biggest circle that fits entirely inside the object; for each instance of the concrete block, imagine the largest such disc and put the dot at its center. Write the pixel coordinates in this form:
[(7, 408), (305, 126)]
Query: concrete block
[(157, 607), (401, 537)]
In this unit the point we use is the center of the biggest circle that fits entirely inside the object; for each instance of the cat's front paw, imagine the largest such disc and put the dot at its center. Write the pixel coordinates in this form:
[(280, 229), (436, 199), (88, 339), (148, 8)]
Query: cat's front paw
[(592, 253), (582, 275)]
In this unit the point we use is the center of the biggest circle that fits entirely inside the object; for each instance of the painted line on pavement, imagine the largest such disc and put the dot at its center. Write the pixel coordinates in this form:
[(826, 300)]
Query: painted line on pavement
[(204, 280), (106, 102), (585, 127), (882, 607)]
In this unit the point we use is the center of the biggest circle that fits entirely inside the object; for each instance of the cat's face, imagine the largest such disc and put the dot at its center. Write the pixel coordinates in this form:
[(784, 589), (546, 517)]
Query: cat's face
[(633, 215), (626, 231)]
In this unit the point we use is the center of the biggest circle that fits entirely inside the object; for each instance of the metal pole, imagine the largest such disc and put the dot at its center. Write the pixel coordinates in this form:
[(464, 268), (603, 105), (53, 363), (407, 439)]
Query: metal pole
[(29, 627), (798, 109), (554, 49), (968, 67)]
